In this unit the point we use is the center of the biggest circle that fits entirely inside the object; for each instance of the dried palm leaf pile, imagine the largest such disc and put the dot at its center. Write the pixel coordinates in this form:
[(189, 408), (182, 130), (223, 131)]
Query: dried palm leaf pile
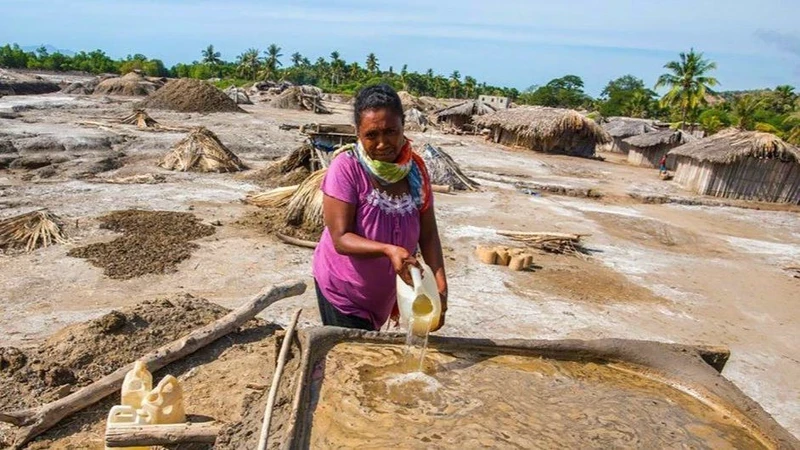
[(31, 230), (141, 119), (290, 170), (444, 171), (305, 207), (551, 242), (201, 151), (308, 98), (275, 198)]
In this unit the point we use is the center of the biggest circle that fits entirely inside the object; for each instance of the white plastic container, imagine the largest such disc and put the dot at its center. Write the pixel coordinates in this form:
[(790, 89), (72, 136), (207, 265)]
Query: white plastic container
[(164, 403), (124, 415), (420, 303), (137, 384)]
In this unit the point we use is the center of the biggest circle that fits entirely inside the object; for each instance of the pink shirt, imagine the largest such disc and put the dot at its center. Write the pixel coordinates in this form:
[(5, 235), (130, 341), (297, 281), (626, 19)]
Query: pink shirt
[(364, 287)]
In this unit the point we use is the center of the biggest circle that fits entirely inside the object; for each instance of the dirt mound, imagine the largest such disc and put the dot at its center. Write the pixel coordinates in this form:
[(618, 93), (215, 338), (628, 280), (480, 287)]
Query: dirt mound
[(188, 95), (82, 353), (152, 242), (12, 83), (131, 84)]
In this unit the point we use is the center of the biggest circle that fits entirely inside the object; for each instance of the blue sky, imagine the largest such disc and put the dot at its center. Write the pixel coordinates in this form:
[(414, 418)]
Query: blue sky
[(502, 42)]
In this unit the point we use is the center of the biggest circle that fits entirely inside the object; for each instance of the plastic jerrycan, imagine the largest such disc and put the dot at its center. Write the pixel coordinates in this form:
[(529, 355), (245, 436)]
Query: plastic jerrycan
[(420, 302), (137, 384), (164, 403), (124, 415)]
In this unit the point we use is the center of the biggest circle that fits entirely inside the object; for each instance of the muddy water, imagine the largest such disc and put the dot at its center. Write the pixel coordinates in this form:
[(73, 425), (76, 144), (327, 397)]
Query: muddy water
[(371, 397)]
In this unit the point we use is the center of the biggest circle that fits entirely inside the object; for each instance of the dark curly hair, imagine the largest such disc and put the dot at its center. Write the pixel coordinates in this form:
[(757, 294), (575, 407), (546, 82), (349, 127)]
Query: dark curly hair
[(376, 97)]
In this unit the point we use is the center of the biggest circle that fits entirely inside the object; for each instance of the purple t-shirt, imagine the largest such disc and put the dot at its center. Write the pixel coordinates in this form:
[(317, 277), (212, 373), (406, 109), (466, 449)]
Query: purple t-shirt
[(364, 287)]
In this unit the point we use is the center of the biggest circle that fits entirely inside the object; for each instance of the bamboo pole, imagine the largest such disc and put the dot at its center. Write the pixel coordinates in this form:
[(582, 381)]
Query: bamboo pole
[(276, 378)]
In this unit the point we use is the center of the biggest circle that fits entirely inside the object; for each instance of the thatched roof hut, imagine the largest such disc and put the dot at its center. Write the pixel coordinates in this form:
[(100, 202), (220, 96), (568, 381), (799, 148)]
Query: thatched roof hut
[(544, 129), (621, 128), (131, 84), (646, 150), (740, 164), (201, 151), (460, 115)]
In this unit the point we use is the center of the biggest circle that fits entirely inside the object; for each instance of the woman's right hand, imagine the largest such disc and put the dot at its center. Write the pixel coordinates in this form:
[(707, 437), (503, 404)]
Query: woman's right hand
[(401, 261)]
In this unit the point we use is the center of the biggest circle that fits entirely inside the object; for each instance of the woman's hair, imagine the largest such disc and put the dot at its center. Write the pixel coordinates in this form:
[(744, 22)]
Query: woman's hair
[(378, 96)]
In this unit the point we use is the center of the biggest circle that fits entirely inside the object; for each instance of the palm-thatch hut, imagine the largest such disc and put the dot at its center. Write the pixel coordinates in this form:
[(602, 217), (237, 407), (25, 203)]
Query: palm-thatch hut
[(646, 150), (621, 128), (544, 129), (738, 164), (131, 84), (201, 151), (459, 116)]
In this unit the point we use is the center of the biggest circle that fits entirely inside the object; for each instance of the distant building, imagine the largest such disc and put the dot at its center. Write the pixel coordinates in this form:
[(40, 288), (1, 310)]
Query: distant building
[(495, 102)]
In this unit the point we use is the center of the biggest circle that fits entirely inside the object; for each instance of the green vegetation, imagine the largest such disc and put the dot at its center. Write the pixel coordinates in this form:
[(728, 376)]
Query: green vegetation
[(688, 100)]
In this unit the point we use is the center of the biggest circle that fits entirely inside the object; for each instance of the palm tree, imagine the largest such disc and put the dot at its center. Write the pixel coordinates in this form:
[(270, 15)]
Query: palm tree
[(271, 62), (793, 135), (785, 98), (297, 59), (211, 57), (404, 76), (455, 82), (638, 105), (372, 63), (248, 62), (711, 124), (688, 82), (744, 108), (469, 86)]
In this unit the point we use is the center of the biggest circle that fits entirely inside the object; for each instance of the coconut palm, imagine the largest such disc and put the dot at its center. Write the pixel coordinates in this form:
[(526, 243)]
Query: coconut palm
[(784, 98), (455, 82), (745, 107), (271, 62), (688, 82), (248, 63), (793, 135), (211, 57), (297, 59), (372, 63), (469, 85)]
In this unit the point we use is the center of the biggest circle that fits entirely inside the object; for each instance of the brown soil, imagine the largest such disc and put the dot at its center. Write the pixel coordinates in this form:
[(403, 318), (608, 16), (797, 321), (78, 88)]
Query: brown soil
[(580, 279), (273, 220), (271, 176), (132, 84), (81, 354), (152, 242), (188, 95)]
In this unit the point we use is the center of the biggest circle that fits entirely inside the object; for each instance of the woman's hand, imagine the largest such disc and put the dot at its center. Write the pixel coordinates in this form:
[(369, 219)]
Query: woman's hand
[(401, 260)]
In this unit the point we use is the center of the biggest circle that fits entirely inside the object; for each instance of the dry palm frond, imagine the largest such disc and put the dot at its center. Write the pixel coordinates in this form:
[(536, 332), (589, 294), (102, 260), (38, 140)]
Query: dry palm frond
[(275, 198), (140, 118), (443, 170), (32, 230), (201, 151), (305, 207), (552, 242)]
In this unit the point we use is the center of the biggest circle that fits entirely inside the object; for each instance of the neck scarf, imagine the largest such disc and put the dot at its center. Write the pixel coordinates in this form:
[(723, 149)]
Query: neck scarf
[(408, 164)]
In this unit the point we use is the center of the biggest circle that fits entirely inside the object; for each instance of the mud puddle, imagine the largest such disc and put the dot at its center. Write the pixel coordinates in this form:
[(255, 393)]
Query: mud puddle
[(368, 394)]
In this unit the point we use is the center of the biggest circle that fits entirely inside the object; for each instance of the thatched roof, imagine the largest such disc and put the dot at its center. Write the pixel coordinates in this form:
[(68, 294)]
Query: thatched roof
[(443, 170), (663, 137), (544, 123), (732, 145), (468, 108), (625, 127), (201, 151), (31, 230)]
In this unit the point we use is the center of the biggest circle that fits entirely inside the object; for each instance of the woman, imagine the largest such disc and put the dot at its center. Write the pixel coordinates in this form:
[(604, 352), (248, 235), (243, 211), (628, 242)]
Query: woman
[(378, 209)]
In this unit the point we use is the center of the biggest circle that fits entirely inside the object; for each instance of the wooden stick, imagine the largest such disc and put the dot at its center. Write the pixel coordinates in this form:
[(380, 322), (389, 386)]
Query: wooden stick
[(146, 435), (297, 242), (276, 379), (38, 420), (441, 188)]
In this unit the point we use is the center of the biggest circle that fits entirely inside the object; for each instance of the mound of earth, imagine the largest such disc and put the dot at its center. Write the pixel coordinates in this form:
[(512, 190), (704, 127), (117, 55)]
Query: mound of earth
[(131, 84), (13, 83), (189, 95), (81, 354), (152, 242)]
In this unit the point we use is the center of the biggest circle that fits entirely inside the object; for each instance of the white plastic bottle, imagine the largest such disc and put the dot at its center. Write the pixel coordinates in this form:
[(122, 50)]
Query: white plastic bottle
[(420, 302), (137, 384)]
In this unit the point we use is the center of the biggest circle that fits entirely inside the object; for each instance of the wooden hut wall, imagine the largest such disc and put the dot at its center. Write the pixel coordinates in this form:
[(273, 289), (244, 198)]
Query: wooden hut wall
[(572, 145), (456, 120), (768, 180), (651, 156), (620, 146)]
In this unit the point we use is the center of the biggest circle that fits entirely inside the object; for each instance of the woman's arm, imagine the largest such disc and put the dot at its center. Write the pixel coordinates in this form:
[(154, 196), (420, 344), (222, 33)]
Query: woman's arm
[(340, 220), (431, 247)]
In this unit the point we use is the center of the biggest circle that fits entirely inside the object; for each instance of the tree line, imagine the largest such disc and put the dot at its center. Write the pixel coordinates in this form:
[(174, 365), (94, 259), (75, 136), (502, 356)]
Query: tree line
[(690, 99)]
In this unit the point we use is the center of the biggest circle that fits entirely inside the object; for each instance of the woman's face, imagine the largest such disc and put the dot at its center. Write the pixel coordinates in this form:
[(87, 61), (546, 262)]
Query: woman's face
[(381, 133)]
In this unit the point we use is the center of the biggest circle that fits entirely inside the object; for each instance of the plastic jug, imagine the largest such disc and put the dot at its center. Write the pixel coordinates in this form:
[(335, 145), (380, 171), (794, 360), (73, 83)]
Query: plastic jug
[(421, 302), (164, 404), (137, 384), (123, 415)]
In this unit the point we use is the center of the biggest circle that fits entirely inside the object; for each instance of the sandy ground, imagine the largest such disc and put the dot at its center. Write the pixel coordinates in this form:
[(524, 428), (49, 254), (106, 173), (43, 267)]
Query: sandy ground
[(688, 274)]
